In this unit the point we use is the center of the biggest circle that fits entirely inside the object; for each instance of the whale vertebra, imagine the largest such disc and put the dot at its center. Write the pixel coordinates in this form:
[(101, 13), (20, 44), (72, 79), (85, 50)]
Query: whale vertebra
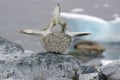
[(56, 42)]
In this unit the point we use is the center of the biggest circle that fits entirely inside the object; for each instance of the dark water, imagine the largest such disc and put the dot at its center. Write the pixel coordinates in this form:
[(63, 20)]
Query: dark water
[(16, 15)]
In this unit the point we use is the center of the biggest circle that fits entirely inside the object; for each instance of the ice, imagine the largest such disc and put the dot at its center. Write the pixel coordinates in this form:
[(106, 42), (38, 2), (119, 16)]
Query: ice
[(102, 30)]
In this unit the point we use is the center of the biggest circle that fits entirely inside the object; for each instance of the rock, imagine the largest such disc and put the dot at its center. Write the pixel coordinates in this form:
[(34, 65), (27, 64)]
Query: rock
[(41, 66), (8, 47), (112, 70), (46, 66), (8, 79), (94, 62)]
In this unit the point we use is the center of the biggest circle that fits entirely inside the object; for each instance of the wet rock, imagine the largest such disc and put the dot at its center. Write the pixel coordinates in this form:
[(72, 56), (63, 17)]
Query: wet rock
[(112, 70), (8, 47)]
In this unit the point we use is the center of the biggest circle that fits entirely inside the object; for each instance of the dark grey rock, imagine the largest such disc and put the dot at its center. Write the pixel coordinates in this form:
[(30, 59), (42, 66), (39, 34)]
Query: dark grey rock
[(112, 70), (8, 47)]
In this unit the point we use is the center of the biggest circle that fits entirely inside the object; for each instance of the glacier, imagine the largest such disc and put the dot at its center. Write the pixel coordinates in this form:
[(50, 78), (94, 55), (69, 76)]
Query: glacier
[(102, 30)]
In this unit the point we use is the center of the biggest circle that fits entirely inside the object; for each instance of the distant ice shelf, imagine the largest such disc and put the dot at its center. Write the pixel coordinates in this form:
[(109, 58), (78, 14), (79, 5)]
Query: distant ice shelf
[(102, 30)]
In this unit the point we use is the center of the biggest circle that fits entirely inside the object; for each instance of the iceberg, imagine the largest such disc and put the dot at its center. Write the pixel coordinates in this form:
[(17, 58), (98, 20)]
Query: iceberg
[(102, 30)]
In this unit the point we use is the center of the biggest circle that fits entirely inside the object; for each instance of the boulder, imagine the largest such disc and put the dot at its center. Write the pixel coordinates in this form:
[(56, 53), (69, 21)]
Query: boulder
[(112, 70), (8, 47), (46, 66), (41, 66)]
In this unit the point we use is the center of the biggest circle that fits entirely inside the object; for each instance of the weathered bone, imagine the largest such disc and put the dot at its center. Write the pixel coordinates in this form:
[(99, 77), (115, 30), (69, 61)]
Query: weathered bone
[(56, 42)]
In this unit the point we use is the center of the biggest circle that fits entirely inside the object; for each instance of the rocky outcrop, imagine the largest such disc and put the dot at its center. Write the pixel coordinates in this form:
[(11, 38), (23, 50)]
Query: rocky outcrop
[(43, 66), (8, 47), (112, 70), (46, 66)]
